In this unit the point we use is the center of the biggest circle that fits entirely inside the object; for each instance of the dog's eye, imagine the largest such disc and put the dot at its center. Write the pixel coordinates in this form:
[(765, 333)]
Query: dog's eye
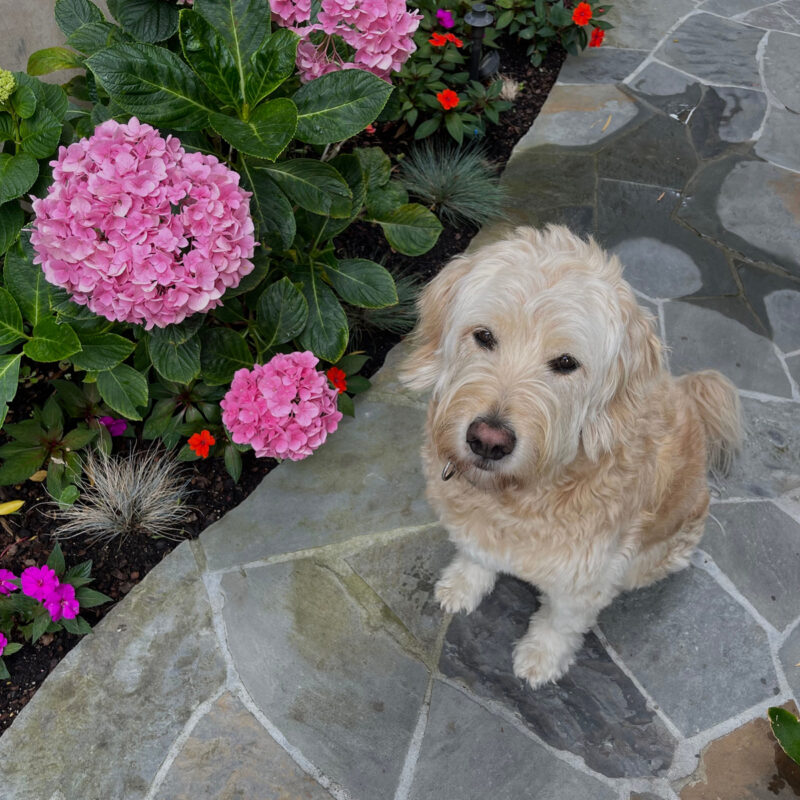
[(485, 338), (564, 363)]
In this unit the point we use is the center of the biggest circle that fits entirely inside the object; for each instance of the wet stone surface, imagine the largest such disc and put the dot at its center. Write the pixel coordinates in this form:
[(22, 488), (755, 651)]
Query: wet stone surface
[(594, 711), (694, 649), (338, 687), (470, 754), (758, 548)]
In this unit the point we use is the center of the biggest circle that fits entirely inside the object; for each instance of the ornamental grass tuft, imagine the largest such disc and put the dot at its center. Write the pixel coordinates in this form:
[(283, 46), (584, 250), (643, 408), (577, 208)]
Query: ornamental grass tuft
[(144, 493), (457, 183)]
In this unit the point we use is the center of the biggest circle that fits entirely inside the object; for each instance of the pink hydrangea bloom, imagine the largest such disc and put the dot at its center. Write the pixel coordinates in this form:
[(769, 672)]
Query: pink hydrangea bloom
[(39, 582), (379, 31), (61, 603), (141, 231), (284, 409), (6, 576), (3, 643)]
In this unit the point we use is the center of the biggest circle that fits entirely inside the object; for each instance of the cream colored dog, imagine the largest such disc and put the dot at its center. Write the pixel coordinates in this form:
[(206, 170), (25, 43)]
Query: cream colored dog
[(558, 449)]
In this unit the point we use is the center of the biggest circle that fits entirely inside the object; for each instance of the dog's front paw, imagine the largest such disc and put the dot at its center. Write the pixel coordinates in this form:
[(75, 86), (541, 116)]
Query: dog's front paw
[(542, 656), (457, 594)]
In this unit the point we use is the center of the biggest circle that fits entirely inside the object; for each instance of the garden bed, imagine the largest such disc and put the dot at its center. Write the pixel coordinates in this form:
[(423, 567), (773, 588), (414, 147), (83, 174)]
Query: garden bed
[(25, 538)]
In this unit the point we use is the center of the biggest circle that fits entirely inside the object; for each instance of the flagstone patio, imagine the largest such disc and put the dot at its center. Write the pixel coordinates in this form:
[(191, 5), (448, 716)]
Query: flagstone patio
[(295, 650)]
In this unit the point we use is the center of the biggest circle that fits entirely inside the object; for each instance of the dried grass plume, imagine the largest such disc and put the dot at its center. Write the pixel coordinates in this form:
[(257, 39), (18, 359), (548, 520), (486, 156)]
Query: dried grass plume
[(143, 493)]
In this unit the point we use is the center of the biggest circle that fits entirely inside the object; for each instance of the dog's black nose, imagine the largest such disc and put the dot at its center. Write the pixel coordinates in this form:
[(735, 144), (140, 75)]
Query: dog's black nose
[(490, 439)]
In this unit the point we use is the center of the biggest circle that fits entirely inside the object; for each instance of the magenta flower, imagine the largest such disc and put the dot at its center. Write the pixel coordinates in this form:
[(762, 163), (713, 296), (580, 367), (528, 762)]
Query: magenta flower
[(445, 18), (6, 576), (116, 427), (284, 409), (61, 603), (379, 31), (3, 643), (39, 582), (141, 231)]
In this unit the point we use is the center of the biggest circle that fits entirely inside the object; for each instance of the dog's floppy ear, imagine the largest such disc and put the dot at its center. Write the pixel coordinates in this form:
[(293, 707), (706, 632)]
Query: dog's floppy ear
[(420, 369), (638, 362)]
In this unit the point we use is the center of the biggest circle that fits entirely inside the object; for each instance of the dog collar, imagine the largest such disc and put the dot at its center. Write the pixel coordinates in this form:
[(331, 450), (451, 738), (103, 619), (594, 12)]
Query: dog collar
[(448, 471)]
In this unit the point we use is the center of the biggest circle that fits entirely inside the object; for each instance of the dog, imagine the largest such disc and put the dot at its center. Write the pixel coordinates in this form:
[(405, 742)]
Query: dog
[(557, 447)]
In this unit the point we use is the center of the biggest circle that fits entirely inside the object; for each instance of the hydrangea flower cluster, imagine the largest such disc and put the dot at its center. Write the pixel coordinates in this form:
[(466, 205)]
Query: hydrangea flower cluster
[(284, 409), (141, 231), (43, 585), (379, 31)]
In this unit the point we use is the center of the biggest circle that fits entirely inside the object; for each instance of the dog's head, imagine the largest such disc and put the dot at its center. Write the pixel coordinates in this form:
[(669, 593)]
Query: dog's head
[(535, 348)]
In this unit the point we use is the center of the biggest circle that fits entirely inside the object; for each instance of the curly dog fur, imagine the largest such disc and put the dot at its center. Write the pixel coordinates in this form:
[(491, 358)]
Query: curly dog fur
[(579, 463)]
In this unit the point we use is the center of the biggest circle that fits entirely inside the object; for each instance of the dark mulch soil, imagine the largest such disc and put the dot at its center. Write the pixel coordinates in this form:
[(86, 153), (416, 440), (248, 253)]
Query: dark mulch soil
[(117, 567)]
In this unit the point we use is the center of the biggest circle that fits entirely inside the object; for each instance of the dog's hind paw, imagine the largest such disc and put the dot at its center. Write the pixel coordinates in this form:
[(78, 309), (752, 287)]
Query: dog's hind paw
[(541, 659)]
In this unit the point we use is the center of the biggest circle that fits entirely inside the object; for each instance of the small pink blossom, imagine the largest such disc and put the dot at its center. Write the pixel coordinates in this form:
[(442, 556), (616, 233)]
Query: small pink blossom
[(116, 427), (139, 230), (284, 409), (39, 582), (3, 643), (61, 603), (6, 576), (380, 32), (445, 18)]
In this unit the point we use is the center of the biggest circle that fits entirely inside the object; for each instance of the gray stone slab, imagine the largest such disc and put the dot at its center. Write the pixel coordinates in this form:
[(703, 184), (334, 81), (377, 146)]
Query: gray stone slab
[(546, 182), (769, 464), (662, 258), (780, 139), (671, 91), (731, 60), (105, 718), (749, 206), (730, 8), (790, 658), (470, 754), (701, 338), (696, 651), (776, 300), (403, 574), (655, 152), (366, 478), (594, 711), (793, 363), (229, 755), (321, 669), (576, 116), (780, 61), (773, 18), (601, 65), (642, 23), (386, 385), (726, 116), (758, 548)]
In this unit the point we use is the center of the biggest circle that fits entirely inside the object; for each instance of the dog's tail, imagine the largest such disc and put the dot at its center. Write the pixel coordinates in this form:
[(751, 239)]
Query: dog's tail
[(717, 402)]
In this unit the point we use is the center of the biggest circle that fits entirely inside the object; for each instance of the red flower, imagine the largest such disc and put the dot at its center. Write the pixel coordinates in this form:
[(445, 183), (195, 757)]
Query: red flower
[(448, 98), (200, 442), (370, 129), (337, 378), (440, 40), (597, 38), (582, 14)]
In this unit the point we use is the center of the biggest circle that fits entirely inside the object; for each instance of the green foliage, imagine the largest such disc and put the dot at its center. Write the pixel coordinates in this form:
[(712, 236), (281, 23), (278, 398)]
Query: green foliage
[(221, 79), (786, 728), (457, 183), (544, 23), (29, 619), (397, 320)]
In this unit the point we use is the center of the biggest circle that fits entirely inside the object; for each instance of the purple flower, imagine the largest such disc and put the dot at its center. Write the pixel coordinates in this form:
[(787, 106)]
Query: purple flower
[(445, 18), (6, 576), (116, 427), (61, 603), (3, 643), (39, 582)]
